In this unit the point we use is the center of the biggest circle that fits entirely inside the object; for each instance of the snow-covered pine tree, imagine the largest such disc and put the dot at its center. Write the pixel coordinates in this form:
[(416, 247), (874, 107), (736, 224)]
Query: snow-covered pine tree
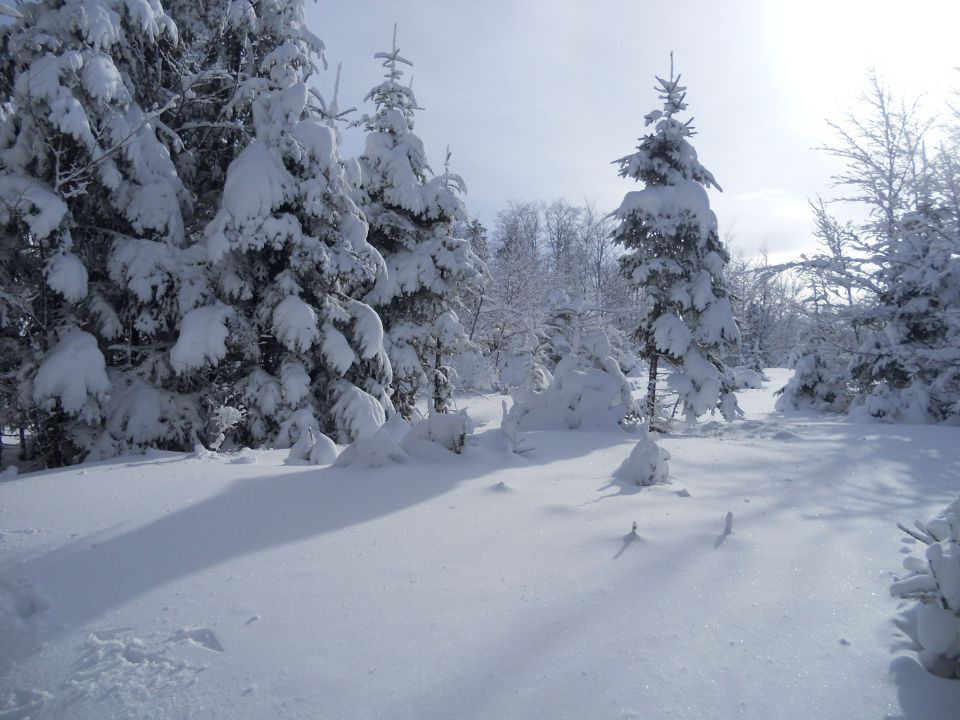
[(291, 261), (819, 380), (412, 217), (912, 366), (896, 274), (92, 273), (676, 260)]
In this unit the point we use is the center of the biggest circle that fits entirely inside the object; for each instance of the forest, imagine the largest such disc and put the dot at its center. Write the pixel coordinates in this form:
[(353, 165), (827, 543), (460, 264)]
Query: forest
[(195, 274)]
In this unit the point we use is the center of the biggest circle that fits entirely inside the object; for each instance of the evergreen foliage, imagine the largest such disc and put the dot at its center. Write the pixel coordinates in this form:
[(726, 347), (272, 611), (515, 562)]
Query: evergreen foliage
[(412, 216), (675, 258)]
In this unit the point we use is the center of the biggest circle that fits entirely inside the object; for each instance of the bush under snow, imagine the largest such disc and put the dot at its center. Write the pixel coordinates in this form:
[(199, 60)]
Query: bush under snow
[(646, 464), (448, 430), (588, 390), (817, 383), (935, 582)]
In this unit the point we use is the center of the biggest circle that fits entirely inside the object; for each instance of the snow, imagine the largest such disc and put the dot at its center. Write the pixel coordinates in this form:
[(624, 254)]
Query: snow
[(102, 79), (669, 208), (481, 585), (449, 430), (647, 462), (39, 207), (203, 336), (358, 413), (67, 275), (71, 373), (256, 184), (295, 324), (935, 582)]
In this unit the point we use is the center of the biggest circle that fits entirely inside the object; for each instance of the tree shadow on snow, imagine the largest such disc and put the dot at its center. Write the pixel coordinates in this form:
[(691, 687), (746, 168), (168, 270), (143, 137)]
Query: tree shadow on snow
[(841, 478), (90, 576)]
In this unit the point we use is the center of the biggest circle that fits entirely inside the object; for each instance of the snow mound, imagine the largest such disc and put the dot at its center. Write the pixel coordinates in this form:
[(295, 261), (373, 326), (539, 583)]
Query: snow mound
[(646, 464), (372, 451)]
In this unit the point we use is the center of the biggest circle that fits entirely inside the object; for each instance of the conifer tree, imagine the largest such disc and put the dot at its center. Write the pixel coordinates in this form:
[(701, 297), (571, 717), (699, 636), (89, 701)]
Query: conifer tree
[(675, 259), (412, 217), (288, 329), (92, 208), (912, 365)]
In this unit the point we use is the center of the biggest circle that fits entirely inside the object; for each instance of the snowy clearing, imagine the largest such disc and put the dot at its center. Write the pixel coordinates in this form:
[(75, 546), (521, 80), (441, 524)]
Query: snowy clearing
[(488, 585)]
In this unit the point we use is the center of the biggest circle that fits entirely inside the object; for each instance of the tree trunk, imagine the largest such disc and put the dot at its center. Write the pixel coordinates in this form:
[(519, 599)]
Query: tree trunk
[(652, 388), (476, 318), (439, 401)]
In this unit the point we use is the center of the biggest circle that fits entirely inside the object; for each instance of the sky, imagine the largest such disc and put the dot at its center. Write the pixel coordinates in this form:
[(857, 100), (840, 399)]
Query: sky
[(536, 98)]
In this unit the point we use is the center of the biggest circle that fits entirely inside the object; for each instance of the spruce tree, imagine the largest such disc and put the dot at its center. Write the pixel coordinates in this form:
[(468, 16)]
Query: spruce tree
[(287, 330), (93, 215), (912, 364), (412, 216), (675, 259)]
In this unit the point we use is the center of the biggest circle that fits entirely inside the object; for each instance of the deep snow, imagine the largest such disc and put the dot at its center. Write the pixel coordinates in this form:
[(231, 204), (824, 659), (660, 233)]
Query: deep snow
[(488, 585)]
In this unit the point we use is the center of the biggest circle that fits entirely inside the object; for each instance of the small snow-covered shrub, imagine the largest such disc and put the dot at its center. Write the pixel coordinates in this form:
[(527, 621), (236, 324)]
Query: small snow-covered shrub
[(746, 378), (226, 417), (886, 404), (312, 448), (588, 390), (935, 582), (818, 382), (646, 464), (449, 430)]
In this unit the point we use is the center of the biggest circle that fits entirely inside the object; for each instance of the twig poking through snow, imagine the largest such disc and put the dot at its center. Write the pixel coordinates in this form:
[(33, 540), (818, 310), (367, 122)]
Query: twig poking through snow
[(727, 530), (912, 533)]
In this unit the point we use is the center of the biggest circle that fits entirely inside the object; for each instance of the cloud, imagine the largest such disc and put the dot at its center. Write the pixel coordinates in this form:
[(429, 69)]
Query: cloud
[(772, 218)]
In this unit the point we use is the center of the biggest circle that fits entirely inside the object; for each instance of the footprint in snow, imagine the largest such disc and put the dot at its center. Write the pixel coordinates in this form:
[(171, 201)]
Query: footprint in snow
[(114, 663)]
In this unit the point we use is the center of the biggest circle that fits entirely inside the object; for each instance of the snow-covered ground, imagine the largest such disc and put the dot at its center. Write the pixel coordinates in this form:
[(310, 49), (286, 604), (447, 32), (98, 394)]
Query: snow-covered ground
[(488, 585)]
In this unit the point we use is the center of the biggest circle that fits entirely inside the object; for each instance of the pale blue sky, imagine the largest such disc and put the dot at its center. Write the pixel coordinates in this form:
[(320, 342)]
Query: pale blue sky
[(536, 98)]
